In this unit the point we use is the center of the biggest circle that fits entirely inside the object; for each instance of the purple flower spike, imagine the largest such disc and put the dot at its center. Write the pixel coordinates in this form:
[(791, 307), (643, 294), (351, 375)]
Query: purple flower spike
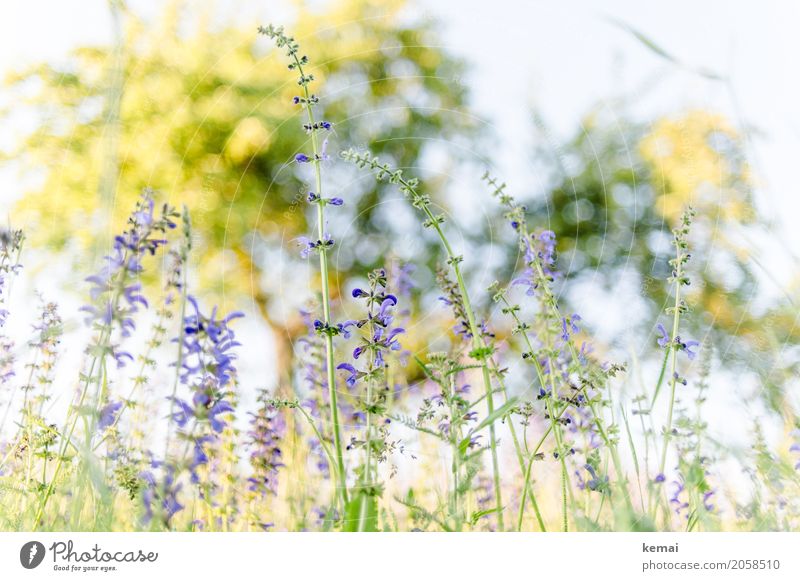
[(664, 340), (108, 415)]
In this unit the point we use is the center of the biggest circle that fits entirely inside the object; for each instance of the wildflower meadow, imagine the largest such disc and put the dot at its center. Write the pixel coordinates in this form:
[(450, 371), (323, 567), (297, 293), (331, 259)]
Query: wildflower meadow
[(394, 358)]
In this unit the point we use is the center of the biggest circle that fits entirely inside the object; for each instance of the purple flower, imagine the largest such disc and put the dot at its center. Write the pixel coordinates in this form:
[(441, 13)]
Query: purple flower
[(344, 328), (120, 356), (795, 447), (383, 313), (569, 326), (264, 441), (160, 496), (209, 343), (582, 422), (10, 248), (595, 483), (707, 500), (182, 414), (664, 340), (391, 339), (688, 347), (219, 408), (302, 158), (354, 374), (307, 245), (208, 367), (528, 276), (115, 291), (6, 360), (108, 415), (679, 503)]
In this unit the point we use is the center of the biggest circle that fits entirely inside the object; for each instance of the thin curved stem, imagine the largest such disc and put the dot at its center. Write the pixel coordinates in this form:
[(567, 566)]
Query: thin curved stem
[(326, 308)]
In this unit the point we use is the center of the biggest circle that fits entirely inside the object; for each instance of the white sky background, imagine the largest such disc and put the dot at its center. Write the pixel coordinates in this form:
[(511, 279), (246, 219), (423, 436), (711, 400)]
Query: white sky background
[(561, 57)]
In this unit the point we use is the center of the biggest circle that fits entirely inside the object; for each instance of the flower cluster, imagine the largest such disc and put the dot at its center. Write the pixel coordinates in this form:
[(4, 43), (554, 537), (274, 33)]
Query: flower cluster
[(47, 335), (312, 359), (116, 291), (453, 298), (666, 342), (208, 368), (10, 248), (264, 440), (377, 337), (309, 246), (160, 492), (595, 483), (380, 337), (536, 250)]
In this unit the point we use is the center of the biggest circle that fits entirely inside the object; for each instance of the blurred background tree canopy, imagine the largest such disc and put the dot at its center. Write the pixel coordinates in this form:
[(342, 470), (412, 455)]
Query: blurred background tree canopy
[(615, 191), (198, 109)]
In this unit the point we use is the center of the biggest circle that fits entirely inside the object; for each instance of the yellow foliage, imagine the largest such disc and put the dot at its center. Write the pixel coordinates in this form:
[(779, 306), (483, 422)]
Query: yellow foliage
[(206, 117), (249, 137), (689, 167)]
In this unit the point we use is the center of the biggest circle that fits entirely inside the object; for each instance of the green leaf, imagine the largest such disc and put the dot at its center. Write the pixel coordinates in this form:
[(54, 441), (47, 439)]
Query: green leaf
[(361, 513), (630, 442), (497, 414), (479, 514), (500, 412)]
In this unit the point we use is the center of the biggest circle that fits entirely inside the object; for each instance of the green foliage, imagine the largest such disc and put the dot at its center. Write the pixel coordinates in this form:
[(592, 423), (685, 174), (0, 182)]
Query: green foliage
[(205, 113)]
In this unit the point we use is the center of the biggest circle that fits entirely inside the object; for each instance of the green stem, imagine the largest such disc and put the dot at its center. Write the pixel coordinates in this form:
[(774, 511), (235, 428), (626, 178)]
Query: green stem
[(676, 319), (138, 380), (478, 344), (549, 405), (519, 454), (599, 424), (178, 362), (98, 361), (63, 449), (322, 442), (455, 438), (525, 488), (326, 309)]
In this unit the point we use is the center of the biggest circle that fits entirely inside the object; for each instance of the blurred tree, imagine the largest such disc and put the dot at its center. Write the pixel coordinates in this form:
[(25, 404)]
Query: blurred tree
[(203, 112), (626, 187), (618, 187)]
